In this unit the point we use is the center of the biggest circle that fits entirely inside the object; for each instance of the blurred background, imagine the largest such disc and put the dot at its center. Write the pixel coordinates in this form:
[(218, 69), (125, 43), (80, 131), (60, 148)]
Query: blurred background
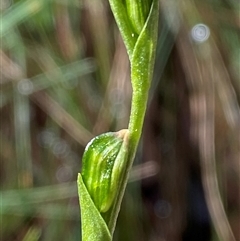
[(65, 79)]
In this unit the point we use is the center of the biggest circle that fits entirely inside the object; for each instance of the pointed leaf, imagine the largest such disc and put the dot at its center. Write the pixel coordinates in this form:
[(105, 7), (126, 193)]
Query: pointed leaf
[(94, 227)]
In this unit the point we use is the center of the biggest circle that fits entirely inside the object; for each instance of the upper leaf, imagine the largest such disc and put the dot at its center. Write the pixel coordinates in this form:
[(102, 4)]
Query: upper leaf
[(131, 17), (138, 12)]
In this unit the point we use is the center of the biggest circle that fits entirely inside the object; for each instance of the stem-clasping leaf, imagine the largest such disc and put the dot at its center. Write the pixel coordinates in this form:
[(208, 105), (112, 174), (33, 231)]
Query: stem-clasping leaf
[(102, 165)]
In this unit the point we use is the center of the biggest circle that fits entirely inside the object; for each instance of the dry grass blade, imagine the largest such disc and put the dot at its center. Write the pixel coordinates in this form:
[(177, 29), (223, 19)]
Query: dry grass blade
[(58, 114), (202, 110), (117, 95), (8, 69)]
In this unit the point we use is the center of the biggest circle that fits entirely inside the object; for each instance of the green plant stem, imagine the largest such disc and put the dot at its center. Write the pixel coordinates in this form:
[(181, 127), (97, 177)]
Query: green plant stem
[(142, 62), (139, 105)]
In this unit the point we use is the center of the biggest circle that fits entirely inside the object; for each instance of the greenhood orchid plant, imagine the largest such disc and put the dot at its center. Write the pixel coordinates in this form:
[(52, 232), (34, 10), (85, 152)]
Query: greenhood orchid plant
[(108, 157)]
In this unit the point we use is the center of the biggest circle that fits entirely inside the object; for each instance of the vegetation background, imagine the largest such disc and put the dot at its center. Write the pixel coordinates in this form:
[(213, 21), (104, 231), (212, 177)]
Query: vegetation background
[(65, 79)]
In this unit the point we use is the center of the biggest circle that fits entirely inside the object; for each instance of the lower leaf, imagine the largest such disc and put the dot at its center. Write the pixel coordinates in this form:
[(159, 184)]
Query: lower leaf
[(94, 227)]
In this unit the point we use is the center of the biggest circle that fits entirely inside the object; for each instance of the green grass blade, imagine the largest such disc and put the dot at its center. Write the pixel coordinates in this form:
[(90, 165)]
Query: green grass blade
[(20, 12)]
